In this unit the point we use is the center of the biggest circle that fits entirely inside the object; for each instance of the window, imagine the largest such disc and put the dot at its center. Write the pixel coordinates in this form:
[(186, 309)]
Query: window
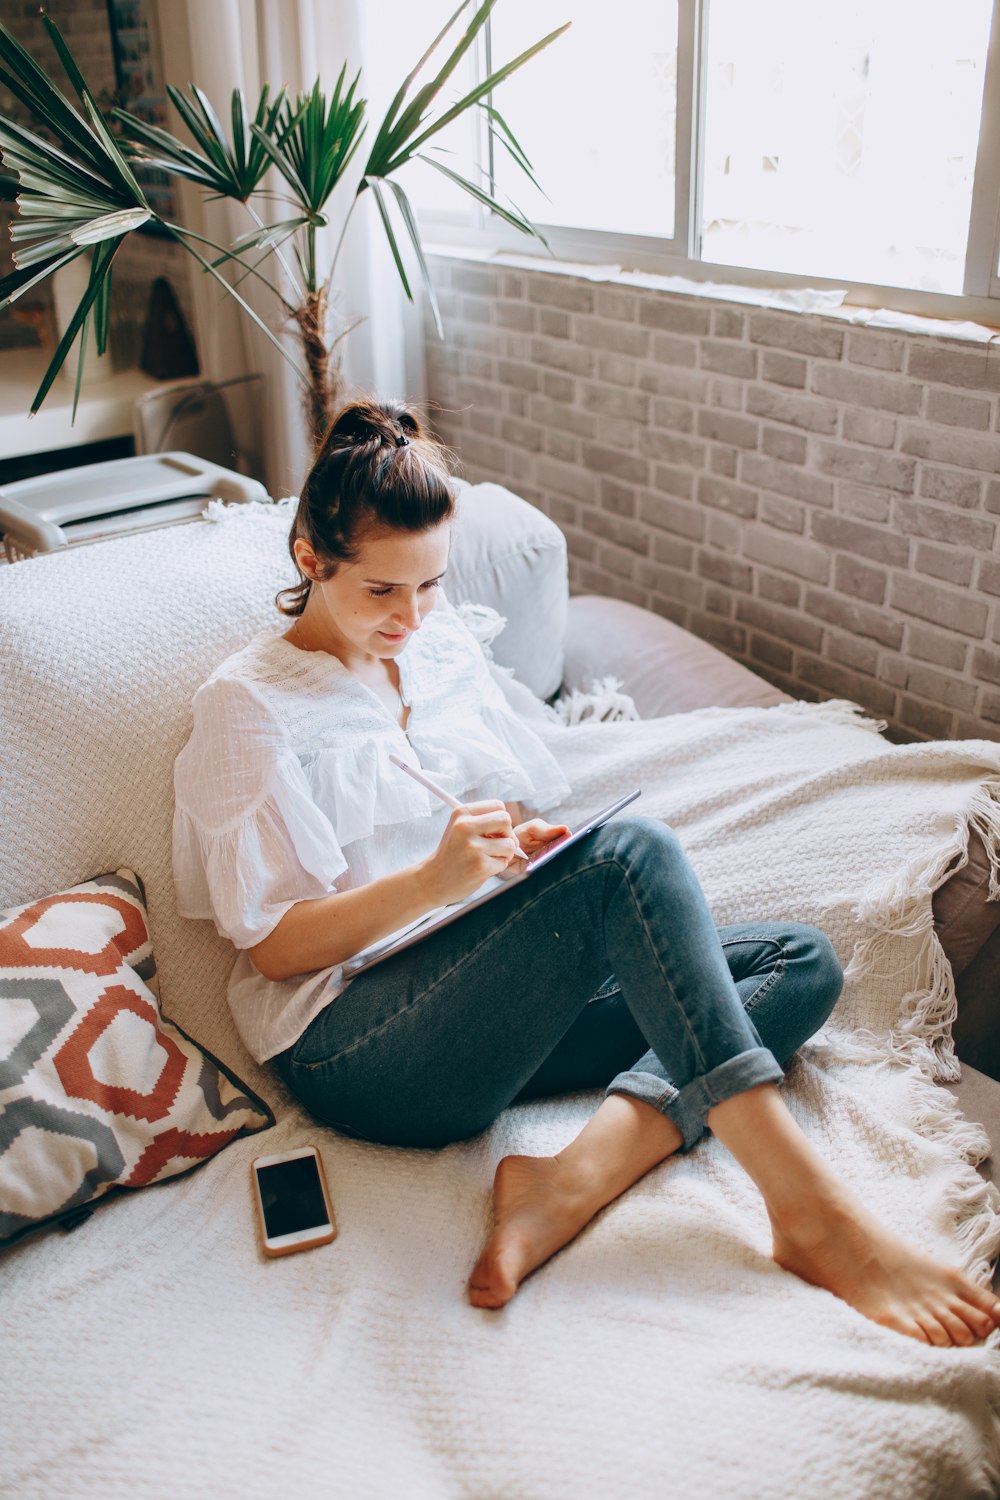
[(604, 155), (840, 137), (824, 141)]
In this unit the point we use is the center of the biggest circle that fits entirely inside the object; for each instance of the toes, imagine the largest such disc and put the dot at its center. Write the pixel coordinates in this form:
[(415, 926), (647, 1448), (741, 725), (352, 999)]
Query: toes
[(484, 1290), (483, 1297), (956, 1318), (493, 1281), (980, 1297), (953, 1321), (901, 1322), (934, 1331), (981, 1323)]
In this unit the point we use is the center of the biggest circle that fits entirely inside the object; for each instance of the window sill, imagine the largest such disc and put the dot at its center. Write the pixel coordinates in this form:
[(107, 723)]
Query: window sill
[(818, 301)]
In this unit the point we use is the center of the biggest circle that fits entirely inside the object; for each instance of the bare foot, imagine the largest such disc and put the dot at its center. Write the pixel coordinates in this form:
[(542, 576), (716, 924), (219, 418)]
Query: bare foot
[(538, 1206), (840, 1247)]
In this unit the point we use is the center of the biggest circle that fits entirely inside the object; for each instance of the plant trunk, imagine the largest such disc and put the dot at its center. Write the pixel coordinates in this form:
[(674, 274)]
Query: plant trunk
[(325, 380)]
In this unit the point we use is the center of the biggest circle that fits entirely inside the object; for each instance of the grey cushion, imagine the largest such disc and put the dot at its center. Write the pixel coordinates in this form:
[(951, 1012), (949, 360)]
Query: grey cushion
[(665, 669)]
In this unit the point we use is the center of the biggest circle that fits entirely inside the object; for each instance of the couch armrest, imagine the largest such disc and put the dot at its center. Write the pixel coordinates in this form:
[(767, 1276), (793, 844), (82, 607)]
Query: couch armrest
[(664, 668)]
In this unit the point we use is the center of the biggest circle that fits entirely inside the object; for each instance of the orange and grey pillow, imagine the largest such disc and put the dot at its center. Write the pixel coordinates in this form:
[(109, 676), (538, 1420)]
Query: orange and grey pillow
[(99, 1092)]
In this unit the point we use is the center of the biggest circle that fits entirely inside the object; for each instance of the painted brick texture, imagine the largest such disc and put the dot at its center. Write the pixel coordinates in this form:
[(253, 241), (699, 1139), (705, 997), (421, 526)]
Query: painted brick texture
[(820, 501)]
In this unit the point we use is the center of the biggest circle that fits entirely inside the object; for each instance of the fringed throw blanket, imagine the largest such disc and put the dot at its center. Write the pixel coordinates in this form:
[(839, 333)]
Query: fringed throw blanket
[(806, 812), (663, 1354)]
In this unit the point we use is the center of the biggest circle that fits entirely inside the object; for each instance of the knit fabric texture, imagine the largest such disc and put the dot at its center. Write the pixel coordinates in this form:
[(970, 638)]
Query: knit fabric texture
[(663, 1352)]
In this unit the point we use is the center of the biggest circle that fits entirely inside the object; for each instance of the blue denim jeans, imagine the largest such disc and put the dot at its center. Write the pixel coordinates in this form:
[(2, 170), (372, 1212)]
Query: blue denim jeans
[(603, 969)]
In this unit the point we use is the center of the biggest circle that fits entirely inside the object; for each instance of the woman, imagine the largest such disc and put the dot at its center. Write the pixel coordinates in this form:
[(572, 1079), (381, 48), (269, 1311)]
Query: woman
[(304, 843)]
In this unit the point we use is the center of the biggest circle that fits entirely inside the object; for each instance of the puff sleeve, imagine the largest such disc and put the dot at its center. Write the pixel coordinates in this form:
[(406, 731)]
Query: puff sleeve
[(248, 840)]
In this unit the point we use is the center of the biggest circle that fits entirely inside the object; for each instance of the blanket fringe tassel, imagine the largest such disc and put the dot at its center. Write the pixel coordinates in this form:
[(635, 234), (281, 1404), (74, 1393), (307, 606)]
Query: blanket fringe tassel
[(991, 1435), (834, 711), (921, 1041), (972, 1203), (250, 510), (605, 703), (923, 1036)]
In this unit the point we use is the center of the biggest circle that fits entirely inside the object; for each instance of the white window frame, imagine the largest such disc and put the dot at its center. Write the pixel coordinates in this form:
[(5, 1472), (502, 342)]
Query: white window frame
[(983, 254), (476, 230)]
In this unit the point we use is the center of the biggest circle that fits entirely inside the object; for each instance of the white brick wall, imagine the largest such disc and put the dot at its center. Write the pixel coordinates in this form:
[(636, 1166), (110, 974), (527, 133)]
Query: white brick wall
[(818, 500)]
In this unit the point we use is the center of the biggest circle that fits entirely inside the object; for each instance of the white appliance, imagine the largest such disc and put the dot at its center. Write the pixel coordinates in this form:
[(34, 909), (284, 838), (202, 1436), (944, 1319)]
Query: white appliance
[(124, 494)]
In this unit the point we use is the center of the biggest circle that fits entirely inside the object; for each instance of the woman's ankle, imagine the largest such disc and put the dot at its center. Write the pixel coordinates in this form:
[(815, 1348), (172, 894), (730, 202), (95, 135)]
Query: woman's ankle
[(810, 1218), (617, 1146), (797, 1184)]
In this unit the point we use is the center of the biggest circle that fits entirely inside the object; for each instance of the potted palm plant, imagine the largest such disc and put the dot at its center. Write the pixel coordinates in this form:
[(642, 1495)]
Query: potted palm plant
[(77, 192)]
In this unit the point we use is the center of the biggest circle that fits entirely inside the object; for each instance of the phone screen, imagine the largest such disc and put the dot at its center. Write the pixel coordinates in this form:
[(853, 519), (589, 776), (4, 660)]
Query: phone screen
[(291, 1196)]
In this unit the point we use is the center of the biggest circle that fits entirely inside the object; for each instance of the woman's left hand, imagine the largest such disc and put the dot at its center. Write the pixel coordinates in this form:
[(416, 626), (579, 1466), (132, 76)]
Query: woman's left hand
[(536, 833)]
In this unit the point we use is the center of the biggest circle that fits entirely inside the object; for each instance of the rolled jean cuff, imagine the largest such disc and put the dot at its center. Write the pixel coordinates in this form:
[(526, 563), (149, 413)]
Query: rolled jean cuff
[(688, 1107)]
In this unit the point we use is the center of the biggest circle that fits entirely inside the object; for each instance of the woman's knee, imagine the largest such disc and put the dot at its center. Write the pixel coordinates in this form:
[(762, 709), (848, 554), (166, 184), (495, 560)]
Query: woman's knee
[(640, 844), (795, 1002), (820, 969)]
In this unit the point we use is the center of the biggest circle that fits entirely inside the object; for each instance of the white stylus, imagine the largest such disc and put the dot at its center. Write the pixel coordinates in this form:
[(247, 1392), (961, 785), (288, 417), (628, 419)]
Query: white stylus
[(425, 781)]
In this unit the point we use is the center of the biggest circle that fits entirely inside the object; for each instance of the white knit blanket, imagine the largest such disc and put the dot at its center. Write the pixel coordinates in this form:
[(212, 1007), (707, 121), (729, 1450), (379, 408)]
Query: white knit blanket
[(155, 1352)]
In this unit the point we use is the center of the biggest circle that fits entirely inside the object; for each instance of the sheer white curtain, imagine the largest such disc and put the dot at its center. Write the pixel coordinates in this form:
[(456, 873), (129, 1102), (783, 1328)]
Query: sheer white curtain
[(222, 44)]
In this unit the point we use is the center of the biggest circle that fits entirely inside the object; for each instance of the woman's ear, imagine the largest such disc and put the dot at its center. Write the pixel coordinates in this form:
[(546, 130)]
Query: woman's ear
[(306, 558)]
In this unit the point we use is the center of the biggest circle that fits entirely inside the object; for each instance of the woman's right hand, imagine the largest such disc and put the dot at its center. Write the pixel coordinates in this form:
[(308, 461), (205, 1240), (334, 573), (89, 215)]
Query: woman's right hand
[(477, 843)]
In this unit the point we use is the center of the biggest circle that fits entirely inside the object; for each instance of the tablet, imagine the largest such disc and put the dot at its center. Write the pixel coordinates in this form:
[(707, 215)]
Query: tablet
[(441, 916)]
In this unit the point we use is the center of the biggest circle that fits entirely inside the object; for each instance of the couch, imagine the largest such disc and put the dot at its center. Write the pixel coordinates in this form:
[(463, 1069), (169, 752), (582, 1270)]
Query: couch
[(140, 1360)]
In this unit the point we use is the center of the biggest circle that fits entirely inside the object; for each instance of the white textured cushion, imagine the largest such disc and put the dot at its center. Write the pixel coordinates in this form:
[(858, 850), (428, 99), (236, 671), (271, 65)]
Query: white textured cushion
[(513, 558), (102, 649)]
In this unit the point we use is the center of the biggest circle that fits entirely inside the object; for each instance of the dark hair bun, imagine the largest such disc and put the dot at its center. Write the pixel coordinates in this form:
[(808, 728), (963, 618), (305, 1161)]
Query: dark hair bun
[(364, 422), (377, 468)]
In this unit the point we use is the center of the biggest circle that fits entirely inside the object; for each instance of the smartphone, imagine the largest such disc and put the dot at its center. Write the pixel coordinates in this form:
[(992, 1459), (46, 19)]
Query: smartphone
[(293, 1201)]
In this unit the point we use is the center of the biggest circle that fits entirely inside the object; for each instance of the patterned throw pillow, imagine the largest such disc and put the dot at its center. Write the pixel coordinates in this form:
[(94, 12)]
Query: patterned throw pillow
[(97, 1091)]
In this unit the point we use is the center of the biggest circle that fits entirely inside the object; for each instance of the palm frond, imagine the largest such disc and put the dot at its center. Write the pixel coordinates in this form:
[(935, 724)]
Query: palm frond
[(153, 147), (383, 209), (269, 236), (394, 107), (396, 127), (75, 191), (408, 127), (93, 232), (229, 169), (44, 102), (100, 270), (16, 283), (313, 143), (115, 159), (416, 112), (410, 221), (26, 152), (501, 132), (102, 314), (271, 146), (186, 234), (491, 82), (510, 213)]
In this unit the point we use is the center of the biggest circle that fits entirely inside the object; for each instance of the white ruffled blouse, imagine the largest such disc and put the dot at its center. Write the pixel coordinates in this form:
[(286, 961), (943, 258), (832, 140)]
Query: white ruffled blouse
[(285, 792)]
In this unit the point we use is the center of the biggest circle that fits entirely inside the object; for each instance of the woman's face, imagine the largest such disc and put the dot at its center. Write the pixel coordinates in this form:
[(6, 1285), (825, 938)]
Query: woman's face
[(372, 606)]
